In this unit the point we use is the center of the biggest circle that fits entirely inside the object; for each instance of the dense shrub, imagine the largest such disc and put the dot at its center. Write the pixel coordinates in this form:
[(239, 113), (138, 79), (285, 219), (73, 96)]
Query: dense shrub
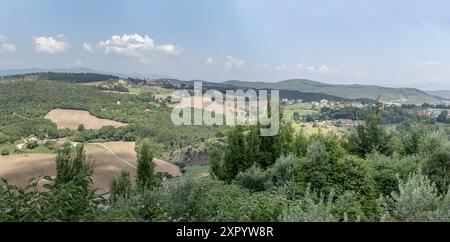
[(5, 151), (121, 186), (437, 168), (417, 200), (254, 179)]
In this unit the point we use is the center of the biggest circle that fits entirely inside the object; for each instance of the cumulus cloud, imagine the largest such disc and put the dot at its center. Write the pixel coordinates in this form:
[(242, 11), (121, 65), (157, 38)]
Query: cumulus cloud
[(210, 61), (169, 49), (263, 67), (51, 45), (5, 46), (136, 46), (88, 48), (127, 45), (233, 63)]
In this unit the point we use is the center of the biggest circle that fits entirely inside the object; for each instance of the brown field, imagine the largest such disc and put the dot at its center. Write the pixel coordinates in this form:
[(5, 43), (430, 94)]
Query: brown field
[(18, 169), (108, 160), (71, 119)]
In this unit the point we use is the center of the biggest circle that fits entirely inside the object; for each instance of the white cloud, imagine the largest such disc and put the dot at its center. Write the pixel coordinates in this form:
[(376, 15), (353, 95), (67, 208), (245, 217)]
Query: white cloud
[(51, 45), (263, 67), (233, 63), (136, 46), (311, 68), (88, 48), (324, 69), (293, 67), (127, 45), (5, 46), (169, 49), (210, 61), (429, 63)]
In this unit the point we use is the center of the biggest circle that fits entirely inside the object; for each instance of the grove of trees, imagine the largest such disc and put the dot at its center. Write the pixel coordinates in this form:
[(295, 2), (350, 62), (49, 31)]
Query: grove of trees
[(373, 173), (287, 177), (25, 104)]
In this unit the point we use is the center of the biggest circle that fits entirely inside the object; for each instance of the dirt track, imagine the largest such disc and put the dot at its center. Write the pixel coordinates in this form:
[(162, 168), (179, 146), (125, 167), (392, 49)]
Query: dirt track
[(71, 119), (109, 159)]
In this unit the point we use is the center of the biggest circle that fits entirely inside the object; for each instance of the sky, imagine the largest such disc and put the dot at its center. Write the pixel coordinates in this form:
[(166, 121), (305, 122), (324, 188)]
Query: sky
[(393, 43)]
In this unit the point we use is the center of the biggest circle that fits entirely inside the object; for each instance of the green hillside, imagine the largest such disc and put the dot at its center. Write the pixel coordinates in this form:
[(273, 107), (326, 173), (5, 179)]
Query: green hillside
[(58, 76), (402, 95), (444, 94)]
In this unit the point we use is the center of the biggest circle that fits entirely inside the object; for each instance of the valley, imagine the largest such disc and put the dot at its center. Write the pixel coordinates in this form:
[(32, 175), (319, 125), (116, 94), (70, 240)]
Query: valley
[(114, 138)]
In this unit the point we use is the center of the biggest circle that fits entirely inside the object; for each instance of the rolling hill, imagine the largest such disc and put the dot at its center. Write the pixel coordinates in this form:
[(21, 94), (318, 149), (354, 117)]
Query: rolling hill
[(443, 94), (222, 87), (293, 89), (354, 91)]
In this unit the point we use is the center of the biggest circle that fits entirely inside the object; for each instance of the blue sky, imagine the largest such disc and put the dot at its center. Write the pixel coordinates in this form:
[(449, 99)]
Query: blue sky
[(394, 43)]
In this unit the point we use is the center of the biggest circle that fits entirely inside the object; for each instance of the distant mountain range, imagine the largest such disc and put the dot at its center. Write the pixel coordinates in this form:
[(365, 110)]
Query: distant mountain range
[(288, 94), (79, 70), (293, 88), (355, 91)]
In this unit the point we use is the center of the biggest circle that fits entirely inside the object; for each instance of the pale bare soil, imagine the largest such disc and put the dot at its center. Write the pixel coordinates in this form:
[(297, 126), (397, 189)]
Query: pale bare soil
[(71, 119), (108, 160), (18, 169)]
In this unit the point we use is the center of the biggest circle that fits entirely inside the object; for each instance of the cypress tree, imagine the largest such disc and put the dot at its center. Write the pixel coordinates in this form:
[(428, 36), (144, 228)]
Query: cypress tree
[(146, 177)]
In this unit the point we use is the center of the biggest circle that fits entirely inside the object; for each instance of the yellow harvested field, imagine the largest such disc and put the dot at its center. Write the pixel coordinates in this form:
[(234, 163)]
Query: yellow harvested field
[(108, 160), (71, 119)]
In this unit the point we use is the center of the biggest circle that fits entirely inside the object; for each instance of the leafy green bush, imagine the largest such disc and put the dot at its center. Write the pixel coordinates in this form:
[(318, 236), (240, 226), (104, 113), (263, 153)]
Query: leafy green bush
[(434, 140), (121, 186), (5, 151), (3, 138), (223, 202), (309, 209), (437, 168), (417, 200), (254, 179), (282, 172)]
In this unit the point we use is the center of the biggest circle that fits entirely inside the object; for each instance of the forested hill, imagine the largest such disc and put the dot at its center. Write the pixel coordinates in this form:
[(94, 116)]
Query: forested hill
[(57, 76), (442, 94), (222, 87), (402, 95), (292, 89)]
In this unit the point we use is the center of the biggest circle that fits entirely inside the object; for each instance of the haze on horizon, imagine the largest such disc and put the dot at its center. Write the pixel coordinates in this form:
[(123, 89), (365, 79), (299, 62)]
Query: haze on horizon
[(391, 43)]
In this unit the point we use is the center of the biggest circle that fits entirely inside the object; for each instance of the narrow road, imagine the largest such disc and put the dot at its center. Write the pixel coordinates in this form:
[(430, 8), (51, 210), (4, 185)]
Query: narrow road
[(115, 155)]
